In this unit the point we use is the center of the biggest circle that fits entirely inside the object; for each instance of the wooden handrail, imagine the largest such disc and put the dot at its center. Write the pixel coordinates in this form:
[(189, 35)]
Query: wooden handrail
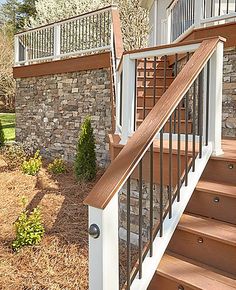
[(119, 49), (124, 164)]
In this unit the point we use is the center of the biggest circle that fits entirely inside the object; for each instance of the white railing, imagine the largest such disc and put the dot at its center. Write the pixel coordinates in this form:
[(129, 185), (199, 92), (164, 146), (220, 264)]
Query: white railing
[(185, 15), (103, 201), (85, 34)]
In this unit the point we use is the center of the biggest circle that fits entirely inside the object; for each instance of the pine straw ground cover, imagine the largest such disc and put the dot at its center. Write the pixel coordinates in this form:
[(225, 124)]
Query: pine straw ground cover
[(61, 260)]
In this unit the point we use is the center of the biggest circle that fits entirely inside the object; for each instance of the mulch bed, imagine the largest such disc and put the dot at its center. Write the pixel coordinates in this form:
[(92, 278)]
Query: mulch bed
[(61, 260)]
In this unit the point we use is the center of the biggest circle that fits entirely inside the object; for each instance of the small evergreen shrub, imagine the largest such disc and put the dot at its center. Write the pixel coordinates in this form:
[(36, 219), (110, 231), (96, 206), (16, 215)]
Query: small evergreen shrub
[(33, 165), (58, 166), (2, 136), (29, 229), (85, 162)]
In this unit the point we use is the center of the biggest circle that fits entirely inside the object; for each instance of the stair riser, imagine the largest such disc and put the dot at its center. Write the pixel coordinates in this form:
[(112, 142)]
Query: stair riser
[(219, 170), (149, 64), (182, 127), (163, 283), (204, 204), (150, 91), (159, 82), (140, 113), (148, 101), (159, 72), (211, 252)]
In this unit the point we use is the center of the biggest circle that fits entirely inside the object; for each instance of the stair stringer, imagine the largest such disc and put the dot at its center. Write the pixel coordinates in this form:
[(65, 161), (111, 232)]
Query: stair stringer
[(160, 244)]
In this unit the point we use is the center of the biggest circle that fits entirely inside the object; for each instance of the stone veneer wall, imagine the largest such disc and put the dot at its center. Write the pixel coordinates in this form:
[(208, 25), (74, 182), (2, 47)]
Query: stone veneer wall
[(50, 110), (229, 93)]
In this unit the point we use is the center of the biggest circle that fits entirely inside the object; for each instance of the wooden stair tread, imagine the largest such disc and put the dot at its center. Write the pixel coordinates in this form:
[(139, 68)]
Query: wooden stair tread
[(211, 186), (181, 121), (158, 77), (210, 228), (200, 277), (229, 148)]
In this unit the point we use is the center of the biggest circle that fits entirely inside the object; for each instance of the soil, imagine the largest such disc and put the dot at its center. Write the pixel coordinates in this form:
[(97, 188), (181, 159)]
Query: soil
[(61, 260)]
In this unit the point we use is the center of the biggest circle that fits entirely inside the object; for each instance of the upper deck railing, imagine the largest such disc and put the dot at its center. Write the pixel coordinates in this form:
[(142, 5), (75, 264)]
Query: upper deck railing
[(84, 34), (184, 15)]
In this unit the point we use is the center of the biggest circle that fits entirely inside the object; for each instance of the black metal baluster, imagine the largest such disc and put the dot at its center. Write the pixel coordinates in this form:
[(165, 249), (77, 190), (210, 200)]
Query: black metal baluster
[(194, 125), (128, 236), (170, 167), (154, 81), (151, 200), (121, 96), (186, 132), (227, 9), (161, 182), (140, 240), (144, 89), (186, 137), (165, 67), (207, 103), (219, 11), (179, 154), (200, 104), (135, 94), (175, 74)]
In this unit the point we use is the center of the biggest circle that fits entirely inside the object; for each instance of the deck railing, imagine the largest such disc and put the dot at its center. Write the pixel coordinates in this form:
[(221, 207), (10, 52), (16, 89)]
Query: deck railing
[(184, 15), (198, 85), (84, 34)]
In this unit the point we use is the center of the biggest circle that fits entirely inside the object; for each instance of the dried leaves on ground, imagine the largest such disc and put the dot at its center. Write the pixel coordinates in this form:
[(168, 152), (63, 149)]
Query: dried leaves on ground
[(61, 260)]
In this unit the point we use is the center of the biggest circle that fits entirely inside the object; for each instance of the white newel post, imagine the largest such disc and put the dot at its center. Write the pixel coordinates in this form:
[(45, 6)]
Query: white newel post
[(215, 102), (198, 13), (57, 41), (16, 46), (169, 26), (128, 98), (104, 250)]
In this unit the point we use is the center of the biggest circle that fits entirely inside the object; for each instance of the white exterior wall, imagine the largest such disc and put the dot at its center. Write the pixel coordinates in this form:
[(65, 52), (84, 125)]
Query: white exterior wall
[(158, 11)]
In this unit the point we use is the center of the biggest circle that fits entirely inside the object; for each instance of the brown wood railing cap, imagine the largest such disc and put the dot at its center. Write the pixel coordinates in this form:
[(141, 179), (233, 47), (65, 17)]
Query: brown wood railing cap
[(119, 170)]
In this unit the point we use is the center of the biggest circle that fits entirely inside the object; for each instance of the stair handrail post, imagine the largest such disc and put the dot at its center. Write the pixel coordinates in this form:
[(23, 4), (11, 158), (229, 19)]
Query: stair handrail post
[(57, 41), (198, 13), (215, 99), (104, 247), (128, 98)]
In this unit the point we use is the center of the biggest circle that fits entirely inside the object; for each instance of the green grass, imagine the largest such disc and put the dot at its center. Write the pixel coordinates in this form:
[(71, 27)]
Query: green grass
[(8, 122)]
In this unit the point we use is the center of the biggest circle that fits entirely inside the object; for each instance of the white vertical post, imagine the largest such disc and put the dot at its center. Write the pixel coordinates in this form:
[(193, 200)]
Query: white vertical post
[(17, 47), (118, 102), (128, 98), (104, 251), (169, 26), (57, 41), (198, 13), (215, 102), (155, 23)]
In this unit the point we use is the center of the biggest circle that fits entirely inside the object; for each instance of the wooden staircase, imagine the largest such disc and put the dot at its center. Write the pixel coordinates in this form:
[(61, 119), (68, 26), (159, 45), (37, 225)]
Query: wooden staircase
[(151, 84), (202, 251)]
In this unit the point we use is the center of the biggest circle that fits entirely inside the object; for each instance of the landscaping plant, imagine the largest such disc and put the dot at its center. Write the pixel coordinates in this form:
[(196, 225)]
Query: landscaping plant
[(2, 136), (85, 162), (33, 165), (57, 166), (29, 229)]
